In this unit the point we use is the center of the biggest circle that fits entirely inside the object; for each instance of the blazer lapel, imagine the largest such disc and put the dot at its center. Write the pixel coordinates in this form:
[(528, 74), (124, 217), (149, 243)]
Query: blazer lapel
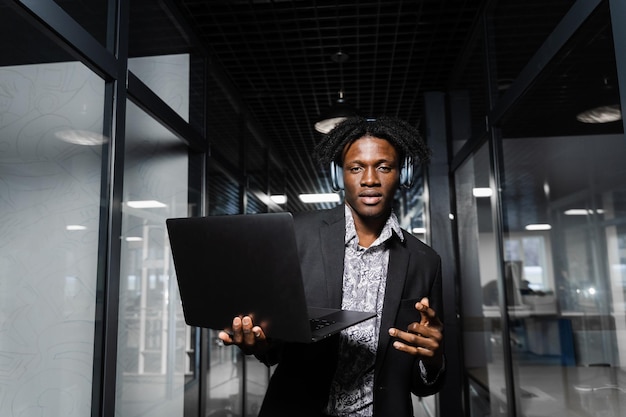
[(332, 237), (396, 276)]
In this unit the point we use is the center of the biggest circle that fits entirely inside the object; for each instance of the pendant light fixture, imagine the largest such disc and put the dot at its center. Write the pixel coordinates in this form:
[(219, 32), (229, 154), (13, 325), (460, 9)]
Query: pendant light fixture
[(340, 110), (603, 114)]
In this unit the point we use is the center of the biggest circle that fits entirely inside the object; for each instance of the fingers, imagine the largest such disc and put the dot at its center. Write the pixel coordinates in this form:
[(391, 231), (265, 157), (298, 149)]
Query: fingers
[(429, 316), (244, 334), (420, 340), (242, 331), (225, 337)]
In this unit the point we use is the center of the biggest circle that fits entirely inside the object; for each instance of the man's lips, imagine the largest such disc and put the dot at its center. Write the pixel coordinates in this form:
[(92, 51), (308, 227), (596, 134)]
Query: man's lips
[(370, 198)]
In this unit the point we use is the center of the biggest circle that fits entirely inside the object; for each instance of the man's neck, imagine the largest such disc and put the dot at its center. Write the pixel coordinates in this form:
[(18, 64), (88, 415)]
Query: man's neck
[(368, 229)]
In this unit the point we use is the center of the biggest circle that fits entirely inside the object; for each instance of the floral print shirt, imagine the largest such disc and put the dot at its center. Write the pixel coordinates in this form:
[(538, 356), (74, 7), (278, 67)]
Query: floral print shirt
[(364, 279)]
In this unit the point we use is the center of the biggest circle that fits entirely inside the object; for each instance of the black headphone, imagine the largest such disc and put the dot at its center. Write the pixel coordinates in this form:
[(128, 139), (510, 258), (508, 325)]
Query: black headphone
[(406, 174)]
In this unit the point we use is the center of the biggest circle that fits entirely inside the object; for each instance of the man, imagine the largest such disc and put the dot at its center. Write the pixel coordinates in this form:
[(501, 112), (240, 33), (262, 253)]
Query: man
[(357, 257)]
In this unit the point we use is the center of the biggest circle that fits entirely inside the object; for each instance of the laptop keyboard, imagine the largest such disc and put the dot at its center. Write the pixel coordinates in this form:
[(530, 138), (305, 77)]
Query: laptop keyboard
[(317, 324)]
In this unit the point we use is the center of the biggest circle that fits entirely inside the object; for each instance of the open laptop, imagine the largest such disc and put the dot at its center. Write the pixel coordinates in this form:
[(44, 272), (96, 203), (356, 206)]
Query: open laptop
[(237, 265)]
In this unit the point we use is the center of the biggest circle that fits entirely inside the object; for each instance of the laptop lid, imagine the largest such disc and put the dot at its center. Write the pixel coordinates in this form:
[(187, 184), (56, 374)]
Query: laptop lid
[(237, 265)]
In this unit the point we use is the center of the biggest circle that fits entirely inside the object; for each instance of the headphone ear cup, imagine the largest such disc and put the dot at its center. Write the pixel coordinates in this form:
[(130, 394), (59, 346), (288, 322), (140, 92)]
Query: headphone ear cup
[(336, 176), (406, 173)]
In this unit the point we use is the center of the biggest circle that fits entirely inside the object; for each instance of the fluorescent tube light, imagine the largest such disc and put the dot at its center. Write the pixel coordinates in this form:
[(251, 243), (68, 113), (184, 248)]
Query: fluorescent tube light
[(319, 198), (581, 212), (539, 226), (73, 227), (279, 198), (146, 204), (482, 192)]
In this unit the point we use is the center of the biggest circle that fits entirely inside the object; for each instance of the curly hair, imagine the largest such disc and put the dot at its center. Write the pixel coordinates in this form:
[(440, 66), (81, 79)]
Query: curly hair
[(404, 137)]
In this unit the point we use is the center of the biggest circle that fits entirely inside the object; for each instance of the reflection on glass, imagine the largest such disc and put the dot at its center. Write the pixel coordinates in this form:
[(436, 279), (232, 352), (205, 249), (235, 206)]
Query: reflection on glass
[(154, 342), (168, 77), (482, 314), (570, 278), (567, 275), (162, 57), (49, 220)]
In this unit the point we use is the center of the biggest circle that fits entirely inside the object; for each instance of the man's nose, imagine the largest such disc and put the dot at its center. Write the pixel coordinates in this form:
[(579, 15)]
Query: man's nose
[(370, 176)]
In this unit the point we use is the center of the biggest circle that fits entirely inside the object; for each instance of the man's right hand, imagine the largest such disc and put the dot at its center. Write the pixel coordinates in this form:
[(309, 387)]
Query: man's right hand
[(250, 338)]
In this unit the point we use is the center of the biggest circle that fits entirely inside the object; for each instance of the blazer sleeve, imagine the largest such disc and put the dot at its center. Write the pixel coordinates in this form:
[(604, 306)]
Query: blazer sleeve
[(428, 379)]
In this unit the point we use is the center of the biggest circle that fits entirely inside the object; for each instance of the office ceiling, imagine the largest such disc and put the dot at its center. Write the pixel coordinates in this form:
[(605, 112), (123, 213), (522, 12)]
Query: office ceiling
[(278, 57), (281, 57)]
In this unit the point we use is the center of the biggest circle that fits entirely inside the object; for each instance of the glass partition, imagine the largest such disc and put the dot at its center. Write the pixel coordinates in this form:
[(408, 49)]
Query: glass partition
[(153, 342), (482, 314), (161, 56), (224, 123), (564, 181), (51, 147)]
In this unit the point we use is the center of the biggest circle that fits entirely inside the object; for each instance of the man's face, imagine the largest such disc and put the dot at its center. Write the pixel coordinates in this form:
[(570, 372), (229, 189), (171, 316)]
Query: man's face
[(371, 177)]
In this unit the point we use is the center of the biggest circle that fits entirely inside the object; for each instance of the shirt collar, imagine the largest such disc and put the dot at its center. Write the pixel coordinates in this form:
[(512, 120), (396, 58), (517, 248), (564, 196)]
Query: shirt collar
[(391, 227)]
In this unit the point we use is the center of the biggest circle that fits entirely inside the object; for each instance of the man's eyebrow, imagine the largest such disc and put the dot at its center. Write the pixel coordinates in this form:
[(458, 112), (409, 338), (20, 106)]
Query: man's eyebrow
[(377, 162)]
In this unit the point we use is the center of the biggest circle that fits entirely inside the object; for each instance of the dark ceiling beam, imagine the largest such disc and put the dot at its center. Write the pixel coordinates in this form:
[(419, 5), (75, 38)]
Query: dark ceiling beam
[(571, 22), (70, 36)]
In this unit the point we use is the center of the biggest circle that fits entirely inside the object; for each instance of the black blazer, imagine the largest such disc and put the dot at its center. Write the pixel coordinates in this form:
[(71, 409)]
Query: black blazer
[(300, 384)]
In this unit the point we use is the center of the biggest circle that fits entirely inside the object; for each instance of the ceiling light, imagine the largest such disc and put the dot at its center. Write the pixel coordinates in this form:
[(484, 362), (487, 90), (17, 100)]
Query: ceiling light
[(81, 137), (538, 226), (482, 192), (319, 198), (602, 114), (582, 212), (279, 198), (335, 114), (339, 111), (73, 227), (418, 230), (145, 204)]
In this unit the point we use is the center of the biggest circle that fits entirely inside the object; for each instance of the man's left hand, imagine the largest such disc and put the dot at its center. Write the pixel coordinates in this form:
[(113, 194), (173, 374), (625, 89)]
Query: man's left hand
[(423, 338)]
